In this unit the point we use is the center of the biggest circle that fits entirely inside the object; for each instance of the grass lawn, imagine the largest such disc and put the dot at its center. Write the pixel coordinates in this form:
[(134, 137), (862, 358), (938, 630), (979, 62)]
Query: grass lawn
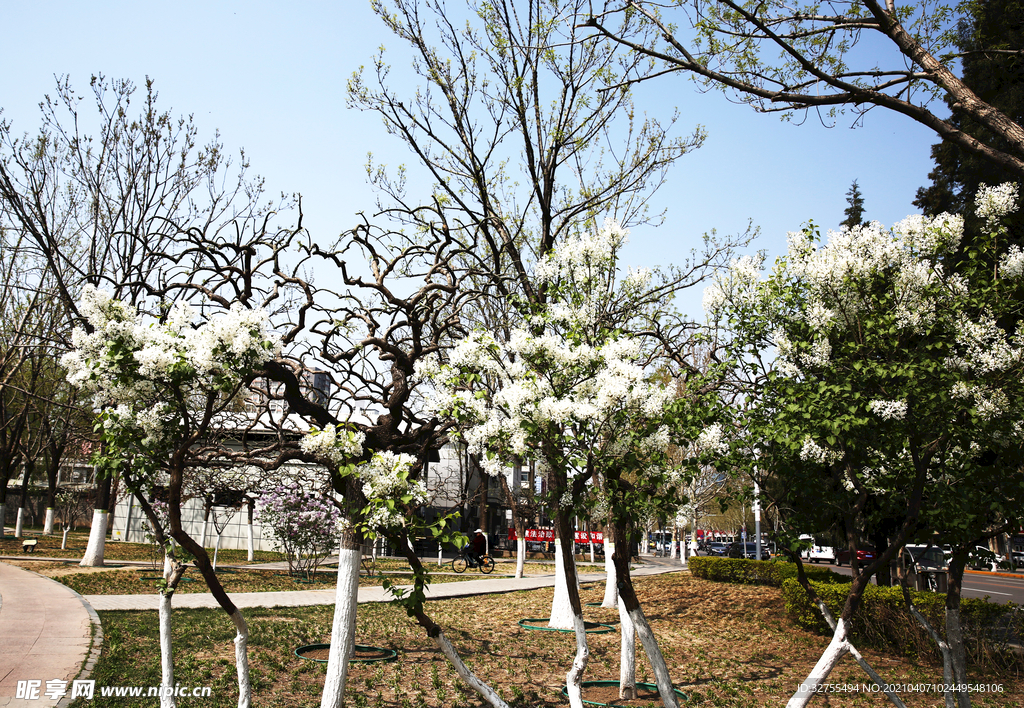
[(141, 580), (116, 550), (726, 645)]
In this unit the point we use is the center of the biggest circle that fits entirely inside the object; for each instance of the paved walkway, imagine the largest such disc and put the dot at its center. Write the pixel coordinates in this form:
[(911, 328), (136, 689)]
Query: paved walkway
[(46, 634), (305, 598)]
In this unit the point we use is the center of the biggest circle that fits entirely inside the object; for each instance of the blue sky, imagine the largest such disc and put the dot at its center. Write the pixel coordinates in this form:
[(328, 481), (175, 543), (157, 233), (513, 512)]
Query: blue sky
[(271, 78)]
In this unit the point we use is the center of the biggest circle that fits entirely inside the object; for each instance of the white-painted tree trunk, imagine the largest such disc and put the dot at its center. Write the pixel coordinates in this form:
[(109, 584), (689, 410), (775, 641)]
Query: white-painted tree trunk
[(216, 550), (947, 658), (520, 557), (19, 525), (561, 607), (886, 685), (206, 526), (242, 659), (835, 651), (627, 655), (657, 659), (166, 655), (64, 541), (250, 545), (3, 518), (48, 521), (957, 655), (611, 588), (343, 628), (93, 557), (468, 676), (574, 679), (166, 650)]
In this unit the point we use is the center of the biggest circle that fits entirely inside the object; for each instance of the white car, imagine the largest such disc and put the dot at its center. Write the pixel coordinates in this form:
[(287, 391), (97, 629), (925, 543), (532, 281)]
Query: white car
[(985, 558), (817, 553)]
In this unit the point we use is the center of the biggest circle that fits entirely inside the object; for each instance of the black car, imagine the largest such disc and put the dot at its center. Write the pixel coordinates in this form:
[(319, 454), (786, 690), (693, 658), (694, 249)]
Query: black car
[(714, 548), (738, 549)]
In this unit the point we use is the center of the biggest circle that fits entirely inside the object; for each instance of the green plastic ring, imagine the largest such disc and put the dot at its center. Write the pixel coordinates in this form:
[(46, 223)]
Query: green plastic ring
[(387, 654), (588, 627), (649, 686)]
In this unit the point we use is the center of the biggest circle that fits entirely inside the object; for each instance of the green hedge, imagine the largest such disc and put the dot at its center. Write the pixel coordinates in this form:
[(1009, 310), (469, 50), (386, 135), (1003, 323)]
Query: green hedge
[(744, 571), (883, 622)]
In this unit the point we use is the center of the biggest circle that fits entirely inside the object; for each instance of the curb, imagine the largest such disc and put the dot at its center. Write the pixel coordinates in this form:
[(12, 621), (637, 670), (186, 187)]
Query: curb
[(95, 649), (998, 573)]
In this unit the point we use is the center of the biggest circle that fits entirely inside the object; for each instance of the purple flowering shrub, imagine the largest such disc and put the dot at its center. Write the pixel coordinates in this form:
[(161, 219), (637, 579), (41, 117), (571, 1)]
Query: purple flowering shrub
[(305, 526)]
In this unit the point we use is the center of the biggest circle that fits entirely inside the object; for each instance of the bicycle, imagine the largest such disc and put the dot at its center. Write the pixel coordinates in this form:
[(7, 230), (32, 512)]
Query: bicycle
[(460, 564)]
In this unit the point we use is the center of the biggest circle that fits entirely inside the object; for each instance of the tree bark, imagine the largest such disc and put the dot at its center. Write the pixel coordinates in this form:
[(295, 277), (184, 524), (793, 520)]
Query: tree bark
[(954, 631), (93, 557), (343, 628), (837, 649), (830, 620), (627, 655), (202, 560), (567, 562), (249, 543), (611, 591), (561, 604), (628, 600), (436, 634)]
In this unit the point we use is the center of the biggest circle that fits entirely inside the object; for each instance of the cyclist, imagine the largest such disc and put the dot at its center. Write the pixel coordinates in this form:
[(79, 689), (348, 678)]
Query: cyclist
[(477, 548)]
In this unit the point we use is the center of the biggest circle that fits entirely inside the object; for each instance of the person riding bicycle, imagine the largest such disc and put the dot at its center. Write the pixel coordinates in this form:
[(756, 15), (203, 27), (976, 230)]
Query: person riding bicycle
[(477, 548)]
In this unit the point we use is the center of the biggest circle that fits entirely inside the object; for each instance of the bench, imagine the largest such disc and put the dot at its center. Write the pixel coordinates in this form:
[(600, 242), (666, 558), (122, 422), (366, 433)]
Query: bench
[(28, 545)]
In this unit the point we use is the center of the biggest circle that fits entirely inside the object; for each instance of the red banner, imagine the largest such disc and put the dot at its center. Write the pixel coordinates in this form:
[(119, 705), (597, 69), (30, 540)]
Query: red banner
[(549, 535)]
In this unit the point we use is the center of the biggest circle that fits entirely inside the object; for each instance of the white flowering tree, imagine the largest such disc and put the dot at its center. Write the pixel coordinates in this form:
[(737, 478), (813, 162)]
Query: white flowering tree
[(159, 387), (884, 375), (102, 193), (572, 390)]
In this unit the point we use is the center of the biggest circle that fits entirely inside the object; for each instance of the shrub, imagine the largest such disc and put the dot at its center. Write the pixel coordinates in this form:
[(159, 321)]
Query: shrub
[(305, 526), (882, 621), (744, 571)]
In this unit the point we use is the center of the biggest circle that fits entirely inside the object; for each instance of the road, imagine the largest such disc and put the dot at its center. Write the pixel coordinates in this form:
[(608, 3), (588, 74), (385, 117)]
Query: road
[(999, 588)]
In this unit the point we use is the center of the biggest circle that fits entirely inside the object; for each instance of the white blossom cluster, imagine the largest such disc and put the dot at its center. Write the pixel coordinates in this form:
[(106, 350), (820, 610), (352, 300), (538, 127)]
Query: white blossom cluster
[(836, 274), (334, 443), (889, 410), (384, 478), (993, 203), (1011, 265), (813, 452), (985, 348), (582, 253), (542, 380), (130, 366), (737, 284), (712, 440), (584, 388)]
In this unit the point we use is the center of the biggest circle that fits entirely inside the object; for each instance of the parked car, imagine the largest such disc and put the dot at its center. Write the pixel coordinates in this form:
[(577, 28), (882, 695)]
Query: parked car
[(925, 558), (1018, 559), (817, 552), (982, 558), (738, 549), (864, 555), (715, 548)]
